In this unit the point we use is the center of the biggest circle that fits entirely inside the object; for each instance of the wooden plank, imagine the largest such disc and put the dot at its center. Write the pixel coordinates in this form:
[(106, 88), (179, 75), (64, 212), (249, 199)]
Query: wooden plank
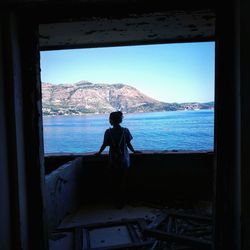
[(78, 235), (190, 216), (142, 224), (137, 241), (160, 219), (160, 235), (132, 233), (110, 223), (124, 246), (85, 239)]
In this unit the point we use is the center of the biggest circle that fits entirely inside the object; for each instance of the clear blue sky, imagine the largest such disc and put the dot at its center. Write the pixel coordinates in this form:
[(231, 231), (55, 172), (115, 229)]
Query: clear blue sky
[(181, 72)]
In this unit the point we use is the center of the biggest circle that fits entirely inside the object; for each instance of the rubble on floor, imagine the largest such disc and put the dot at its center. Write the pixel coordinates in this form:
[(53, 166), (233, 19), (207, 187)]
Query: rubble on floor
[(162, 228), (180, 229)]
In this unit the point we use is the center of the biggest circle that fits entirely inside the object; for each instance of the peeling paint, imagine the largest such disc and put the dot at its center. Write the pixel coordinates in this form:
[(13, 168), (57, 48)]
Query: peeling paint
[(164, 26)]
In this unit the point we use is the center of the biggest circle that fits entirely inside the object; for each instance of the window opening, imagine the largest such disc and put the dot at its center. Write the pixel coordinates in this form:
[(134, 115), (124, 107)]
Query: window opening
[(165, 91)]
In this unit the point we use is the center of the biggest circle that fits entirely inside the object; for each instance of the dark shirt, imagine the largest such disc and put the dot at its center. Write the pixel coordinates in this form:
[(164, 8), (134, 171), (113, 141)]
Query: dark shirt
[(117, 139)]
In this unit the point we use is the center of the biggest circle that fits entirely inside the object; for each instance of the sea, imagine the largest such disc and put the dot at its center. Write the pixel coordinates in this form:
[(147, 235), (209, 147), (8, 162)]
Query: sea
[(170, 130)]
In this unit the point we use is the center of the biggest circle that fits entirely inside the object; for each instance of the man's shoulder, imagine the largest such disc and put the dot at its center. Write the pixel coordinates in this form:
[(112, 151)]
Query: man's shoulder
[(126, 131), (107, 131)]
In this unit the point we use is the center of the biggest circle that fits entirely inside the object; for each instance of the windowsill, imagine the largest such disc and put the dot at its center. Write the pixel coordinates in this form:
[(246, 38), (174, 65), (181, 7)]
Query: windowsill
[(144, 152)]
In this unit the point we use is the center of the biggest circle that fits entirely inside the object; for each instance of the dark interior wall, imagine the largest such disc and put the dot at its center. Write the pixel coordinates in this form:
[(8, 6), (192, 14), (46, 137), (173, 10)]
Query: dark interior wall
[(13, 137), (154, 176), (32, 129), (227, 134), (21, 167), (4, 173), (57, 11), (244, 75)]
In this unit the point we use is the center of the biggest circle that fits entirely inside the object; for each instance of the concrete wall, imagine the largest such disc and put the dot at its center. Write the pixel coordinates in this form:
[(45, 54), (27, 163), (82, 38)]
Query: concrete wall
[(62, 191), (152, 176), (155, 176), (53, 162), (173, 176)]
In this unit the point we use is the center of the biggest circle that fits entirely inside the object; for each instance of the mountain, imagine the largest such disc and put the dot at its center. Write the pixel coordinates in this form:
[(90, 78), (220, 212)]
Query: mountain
[(85, 97)]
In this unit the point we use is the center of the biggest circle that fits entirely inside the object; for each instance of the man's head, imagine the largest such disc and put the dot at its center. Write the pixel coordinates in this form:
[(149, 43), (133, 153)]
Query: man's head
[(115, 118)]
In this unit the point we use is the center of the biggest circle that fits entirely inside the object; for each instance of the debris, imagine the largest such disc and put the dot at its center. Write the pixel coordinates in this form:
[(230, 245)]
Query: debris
[(179, 229), (122, 234), (191, 241)]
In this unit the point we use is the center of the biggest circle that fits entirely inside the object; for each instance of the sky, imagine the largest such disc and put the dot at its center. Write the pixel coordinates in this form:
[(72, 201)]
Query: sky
[(182, 72)]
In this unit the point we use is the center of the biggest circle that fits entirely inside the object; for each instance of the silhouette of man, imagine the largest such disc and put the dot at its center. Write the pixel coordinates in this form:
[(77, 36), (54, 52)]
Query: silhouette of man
[(119, 141)]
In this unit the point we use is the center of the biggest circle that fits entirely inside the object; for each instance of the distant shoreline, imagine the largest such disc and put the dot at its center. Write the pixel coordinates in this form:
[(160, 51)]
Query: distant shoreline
[(134, 113)]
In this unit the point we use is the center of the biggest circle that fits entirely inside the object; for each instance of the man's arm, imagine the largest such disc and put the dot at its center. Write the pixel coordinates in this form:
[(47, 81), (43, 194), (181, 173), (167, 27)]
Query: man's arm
[(132, 149), (128, 139), (101, 149), (105, 142)]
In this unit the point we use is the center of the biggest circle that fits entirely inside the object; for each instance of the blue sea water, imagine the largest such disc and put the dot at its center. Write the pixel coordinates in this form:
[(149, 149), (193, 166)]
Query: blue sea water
[(173, 130)]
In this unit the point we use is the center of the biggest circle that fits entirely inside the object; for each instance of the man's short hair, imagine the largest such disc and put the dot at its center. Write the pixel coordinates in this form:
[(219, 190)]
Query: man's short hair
[(116, 117)]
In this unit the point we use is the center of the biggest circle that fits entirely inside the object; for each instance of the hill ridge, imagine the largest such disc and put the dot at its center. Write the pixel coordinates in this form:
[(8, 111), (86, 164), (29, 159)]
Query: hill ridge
[(85, 97)]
